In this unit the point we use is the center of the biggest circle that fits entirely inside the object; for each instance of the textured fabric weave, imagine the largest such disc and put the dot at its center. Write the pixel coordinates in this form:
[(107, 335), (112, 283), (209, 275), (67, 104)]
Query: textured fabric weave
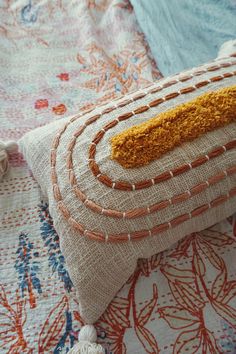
[(94, 266)]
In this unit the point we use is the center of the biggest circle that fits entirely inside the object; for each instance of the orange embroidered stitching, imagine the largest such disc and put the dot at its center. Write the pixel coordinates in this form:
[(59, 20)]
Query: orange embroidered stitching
[(138, 212), (138, 235), (142, 233)]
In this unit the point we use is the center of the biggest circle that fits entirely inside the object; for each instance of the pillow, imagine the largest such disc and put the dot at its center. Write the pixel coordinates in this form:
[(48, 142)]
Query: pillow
[(109, 215), (186, 33)]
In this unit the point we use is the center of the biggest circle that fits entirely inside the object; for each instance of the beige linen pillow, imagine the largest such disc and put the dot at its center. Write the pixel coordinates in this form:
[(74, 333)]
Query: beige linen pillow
[(108, 216)]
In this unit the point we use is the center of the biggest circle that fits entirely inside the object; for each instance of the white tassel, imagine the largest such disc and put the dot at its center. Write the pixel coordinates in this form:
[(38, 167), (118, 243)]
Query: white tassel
[(87, 342), (4, 149), (227, 49)]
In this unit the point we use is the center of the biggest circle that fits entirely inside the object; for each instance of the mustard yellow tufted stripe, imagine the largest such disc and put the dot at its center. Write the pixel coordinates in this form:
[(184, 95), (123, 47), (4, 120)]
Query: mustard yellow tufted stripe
[(139, 145)]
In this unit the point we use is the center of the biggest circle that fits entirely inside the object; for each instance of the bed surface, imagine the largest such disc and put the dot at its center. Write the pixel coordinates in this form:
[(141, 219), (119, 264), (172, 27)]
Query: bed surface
[(59, 57)]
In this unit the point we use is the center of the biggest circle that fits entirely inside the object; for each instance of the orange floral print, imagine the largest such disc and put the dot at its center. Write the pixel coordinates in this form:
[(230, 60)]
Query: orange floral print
[(63, 77), (41, 103), (60, 109)]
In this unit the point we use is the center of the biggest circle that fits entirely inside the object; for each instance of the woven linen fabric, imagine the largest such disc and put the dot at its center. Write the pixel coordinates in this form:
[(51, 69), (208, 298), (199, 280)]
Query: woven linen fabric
[(98, 270)]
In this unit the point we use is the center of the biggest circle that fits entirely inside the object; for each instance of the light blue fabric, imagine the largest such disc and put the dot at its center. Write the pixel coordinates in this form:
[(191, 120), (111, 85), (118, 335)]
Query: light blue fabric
[(185, 33)]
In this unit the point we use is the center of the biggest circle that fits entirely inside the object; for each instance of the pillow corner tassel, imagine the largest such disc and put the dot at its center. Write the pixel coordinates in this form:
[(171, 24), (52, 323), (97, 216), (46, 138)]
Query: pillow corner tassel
[(5, 148), (87, 342)]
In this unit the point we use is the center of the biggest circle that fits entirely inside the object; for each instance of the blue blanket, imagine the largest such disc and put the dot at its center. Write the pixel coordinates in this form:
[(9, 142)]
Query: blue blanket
[(185, 33)]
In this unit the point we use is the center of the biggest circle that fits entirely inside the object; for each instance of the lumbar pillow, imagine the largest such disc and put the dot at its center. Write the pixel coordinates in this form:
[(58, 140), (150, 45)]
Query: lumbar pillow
[(129, 179)]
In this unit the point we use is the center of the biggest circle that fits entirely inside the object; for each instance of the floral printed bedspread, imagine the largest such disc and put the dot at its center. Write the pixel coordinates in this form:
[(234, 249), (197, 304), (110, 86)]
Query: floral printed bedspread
[(58, 57)]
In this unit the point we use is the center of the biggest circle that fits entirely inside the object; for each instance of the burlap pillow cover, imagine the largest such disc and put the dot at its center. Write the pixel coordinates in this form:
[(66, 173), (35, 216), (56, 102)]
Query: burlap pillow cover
[(108, 216)]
